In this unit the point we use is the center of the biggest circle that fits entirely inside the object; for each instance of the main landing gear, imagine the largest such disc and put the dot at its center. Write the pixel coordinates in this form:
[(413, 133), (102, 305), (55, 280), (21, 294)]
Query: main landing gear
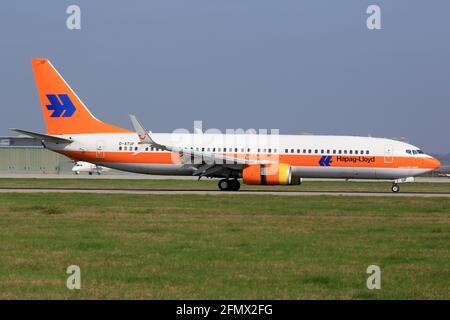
[(395, 188), (229, 185)]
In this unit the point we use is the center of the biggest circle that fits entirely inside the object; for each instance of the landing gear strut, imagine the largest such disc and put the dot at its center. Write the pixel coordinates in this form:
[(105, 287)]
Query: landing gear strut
[(395, 187), (229, 185)]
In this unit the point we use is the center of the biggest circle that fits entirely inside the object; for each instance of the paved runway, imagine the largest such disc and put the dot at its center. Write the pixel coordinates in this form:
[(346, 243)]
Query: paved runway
[(136, 176), (226, 193)]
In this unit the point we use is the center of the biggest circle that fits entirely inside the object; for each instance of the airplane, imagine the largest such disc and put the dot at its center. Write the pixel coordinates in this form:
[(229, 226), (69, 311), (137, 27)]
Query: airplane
[(90, 168), (255, 159)]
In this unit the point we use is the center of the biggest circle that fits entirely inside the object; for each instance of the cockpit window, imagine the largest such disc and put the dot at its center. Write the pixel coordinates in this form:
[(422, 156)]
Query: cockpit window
[(414, 151)]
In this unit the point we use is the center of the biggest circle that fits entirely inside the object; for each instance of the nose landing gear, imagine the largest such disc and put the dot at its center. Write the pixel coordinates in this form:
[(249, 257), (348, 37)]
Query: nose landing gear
[(395, 188), (229, 185)]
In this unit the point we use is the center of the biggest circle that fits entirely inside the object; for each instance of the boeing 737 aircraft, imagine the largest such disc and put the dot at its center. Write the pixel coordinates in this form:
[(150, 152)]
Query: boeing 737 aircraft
[(73, 131)]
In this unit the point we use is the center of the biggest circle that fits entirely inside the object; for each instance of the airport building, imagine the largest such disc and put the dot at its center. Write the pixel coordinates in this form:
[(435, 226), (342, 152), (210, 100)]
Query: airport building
[(26, 155)]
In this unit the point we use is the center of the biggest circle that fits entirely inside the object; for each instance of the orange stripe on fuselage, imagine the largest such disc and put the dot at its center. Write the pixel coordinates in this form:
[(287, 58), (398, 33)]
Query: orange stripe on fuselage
[(123, 157), (366, 161)]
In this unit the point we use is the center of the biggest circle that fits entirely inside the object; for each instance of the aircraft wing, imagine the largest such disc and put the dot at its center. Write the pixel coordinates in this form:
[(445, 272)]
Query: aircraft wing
[(41, 136)]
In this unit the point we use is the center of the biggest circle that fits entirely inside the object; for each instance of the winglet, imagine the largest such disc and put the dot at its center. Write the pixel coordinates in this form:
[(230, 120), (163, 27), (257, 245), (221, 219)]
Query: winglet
[(143, 134)]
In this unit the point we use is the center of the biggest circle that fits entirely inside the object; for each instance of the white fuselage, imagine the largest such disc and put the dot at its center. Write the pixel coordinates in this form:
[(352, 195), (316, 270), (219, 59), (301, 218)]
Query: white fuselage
[(309, 156)]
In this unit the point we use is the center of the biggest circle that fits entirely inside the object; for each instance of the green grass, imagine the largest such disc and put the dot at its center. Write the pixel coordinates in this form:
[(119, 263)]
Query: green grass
[(223, 247), (96, 182)]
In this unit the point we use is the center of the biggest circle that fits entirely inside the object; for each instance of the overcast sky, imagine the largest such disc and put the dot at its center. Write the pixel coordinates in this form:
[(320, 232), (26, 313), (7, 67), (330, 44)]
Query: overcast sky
[(300, 66)]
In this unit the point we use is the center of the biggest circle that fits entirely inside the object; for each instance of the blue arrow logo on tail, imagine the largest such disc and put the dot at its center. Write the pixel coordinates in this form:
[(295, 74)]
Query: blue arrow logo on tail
[(325, 161), (61, 105)]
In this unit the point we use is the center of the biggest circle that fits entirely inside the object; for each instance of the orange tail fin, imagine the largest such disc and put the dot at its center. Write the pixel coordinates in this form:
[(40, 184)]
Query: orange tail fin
[(64, 112)]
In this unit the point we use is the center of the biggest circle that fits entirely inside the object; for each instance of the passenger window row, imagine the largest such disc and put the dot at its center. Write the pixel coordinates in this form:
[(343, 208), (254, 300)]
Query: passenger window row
[(242, 150), (137, 148), (268, 150), (327, 151)]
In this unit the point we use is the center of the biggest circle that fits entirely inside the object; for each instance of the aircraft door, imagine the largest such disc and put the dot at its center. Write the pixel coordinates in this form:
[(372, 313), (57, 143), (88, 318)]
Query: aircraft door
[(100, 150), (388, 154)]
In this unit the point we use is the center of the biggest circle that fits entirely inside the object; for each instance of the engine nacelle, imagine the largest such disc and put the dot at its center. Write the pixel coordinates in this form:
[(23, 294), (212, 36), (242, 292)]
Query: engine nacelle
[(269, 174)]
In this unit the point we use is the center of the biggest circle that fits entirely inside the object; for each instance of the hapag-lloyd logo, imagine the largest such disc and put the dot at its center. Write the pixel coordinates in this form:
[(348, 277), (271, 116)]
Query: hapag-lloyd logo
[(61, 105), (355, 159)]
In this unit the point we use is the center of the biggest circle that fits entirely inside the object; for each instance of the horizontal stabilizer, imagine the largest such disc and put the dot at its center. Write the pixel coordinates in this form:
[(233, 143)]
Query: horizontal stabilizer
[(42, 137)]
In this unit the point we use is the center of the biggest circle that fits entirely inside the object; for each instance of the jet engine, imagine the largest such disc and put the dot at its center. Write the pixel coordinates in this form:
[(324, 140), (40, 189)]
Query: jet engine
[(269, 174)]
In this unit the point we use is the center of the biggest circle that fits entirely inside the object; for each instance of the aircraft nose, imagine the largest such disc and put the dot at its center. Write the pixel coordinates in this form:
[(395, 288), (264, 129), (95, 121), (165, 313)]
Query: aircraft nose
[(434, 163)]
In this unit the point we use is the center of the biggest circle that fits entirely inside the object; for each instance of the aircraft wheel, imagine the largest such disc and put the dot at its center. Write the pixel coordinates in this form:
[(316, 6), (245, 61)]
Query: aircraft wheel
[(90, 173), (395, 188), (224, 184), (236, 185)]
